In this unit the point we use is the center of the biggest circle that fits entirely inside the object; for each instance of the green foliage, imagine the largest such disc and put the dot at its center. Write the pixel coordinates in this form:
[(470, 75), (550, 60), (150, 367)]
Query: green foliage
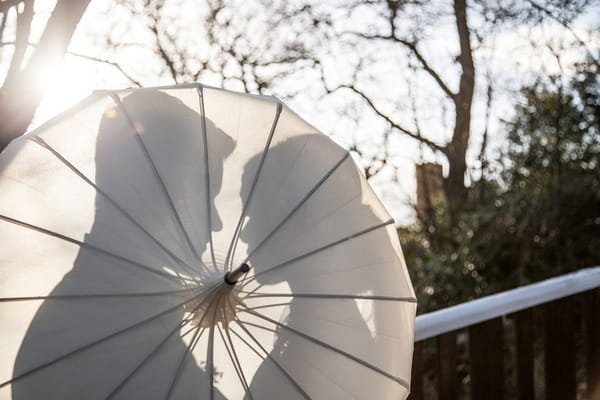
[(539, 216)]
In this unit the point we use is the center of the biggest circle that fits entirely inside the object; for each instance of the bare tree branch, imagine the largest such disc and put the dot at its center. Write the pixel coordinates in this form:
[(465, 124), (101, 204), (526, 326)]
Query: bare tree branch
[(434, 146), (24, 19), (112, 63), (3, 24), (566, 25), (374, 165), (488, 107), (413, 48), (413, 108), (19, 96), (91, 58), (7, 4), (163, 53)]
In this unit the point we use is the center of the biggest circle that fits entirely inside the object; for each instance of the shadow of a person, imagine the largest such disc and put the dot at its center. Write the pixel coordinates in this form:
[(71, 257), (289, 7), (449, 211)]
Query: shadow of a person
[(352, 326), (151, 234)]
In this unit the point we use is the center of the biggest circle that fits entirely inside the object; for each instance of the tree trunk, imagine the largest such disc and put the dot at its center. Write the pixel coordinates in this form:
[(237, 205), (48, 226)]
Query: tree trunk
[(21, 92), (456, 150)]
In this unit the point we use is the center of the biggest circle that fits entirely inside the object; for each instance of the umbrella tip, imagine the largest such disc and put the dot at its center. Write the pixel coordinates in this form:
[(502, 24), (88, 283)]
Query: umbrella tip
[(232, 277)]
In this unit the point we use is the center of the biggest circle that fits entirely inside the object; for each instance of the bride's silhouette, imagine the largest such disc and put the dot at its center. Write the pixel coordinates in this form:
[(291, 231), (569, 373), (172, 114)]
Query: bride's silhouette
[(150, 233)]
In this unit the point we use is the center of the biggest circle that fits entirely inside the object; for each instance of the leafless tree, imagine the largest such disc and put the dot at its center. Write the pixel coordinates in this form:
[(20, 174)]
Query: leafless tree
[(257, 45), (405, 26), (241, 44), (20, 94), (246, 45)]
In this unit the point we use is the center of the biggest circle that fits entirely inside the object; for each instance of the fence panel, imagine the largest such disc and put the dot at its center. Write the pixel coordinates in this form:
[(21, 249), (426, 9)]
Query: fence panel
[(569, 307)]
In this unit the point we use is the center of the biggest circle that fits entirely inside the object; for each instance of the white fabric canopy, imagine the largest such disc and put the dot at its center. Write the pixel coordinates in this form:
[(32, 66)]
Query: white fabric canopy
[(120, 218)]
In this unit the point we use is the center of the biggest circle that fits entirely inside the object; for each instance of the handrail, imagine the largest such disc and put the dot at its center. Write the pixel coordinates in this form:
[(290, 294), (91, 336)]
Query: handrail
[(479, 310)]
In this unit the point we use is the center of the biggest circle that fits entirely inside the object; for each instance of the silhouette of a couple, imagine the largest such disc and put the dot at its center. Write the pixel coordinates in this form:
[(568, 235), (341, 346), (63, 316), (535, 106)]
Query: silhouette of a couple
[(151, 214)]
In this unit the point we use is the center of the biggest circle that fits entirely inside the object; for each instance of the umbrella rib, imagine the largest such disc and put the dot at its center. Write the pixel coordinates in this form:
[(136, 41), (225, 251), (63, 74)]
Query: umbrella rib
[(187, 332), (96, 342), (149, 356), (89, 246), (245, 382), (239, 322), (210, 367), (235, 237), (263, 358), (199, 331), (155, 350), (330, 379), (95, 295), (197, 335), (271, 305), (248, 344), (137, 135), (314, 340), (260, 326), (287, 375), (326, 273), (334, 296), (317, 250), (41, 142), (234, 359), (200, 91), (299, 205)]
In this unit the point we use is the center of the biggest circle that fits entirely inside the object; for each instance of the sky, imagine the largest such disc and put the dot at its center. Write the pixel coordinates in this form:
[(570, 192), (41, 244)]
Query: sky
[(341, 115)]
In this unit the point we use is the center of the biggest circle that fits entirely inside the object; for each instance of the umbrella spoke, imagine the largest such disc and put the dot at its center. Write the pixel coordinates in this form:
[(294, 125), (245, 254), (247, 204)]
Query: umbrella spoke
[(234, 239), (178, 327), (274, 331), (200, 91), (137, 135), (333, 296), (259, 286), (264, 328), (234, 358), (298, 206), (95, 296), (41, 142), (262, 356), (184, 334), (270, 357), (190, 348), (98, 341), (271, 305), (316, 341), (210, 368), (97, 249), (317, 250), (199, 331)]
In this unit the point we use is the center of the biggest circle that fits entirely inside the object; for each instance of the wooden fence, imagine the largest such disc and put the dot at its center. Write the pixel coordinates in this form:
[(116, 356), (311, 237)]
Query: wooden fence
[(540, 341)]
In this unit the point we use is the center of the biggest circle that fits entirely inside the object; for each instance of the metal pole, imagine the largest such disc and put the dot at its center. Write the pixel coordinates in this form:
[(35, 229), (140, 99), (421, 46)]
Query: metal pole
[(232, 277)]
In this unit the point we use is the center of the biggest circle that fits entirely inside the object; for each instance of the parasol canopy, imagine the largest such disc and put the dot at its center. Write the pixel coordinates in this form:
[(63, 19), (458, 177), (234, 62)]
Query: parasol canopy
[(190, 242)]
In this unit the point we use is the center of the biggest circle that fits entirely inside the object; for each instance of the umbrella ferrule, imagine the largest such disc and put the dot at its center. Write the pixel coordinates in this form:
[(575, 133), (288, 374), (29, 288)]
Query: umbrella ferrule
[(232, 277)]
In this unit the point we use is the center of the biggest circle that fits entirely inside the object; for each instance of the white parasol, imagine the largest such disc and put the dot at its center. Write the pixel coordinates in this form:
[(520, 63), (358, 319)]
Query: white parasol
[(190, 242)]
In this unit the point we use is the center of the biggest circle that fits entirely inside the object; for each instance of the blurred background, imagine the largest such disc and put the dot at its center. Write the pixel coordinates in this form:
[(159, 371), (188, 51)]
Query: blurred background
[(477, 122)]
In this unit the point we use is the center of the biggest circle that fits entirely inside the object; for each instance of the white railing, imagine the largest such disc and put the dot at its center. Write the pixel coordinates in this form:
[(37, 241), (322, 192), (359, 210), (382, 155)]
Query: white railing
[(472, 312)]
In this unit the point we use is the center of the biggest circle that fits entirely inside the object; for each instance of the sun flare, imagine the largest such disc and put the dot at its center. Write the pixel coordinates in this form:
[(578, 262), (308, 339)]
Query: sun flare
[(65, 86)]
